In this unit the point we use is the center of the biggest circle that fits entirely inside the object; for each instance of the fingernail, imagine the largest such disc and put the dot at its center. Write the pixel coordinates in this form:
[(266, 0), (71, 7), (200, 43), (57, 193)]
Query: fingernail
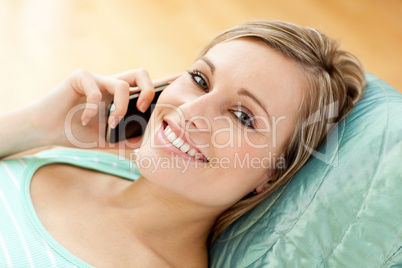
[(113, 122), (143, 106), (85, 122)]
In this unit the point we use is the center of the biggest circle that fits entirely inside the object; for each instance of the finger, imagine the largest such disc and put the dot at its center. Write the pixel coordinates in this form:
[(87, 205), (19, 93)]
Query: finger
[(120, 91), (84, 84), (147, 93), (140, 78), (91, 106), (121, 99), (158, 82), (130, 76)]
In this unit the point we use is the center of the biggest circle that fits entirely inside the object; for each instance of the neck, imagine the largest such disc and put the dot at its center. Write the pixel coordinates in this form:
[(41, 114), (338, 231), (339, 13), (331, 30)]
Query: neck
[(173, 227)]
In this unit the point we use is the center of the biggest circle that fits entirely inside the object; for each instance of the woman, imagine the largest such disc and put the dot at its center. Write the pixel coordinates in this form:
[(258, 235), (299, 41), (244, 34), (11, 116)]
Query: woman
[(224, 135)]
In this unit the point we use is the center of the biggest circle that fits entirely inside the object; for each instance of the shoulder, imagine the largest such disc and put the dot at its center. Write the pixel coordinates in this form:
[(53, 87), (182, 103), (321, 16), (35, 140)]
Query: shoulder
[(30, 152), (115, 151)]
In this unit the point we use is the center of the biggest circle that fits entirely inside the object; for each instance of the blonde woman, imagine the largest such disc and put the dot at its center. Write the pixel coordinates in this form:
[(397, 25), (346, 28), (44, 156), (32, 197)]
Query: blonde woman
[(244, 99)]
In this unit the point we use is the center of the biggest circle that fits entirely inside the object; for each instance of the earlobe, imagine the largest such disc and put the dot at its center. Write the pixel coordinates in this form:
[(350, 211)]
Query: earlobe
[(267, 183), (263, 186), (259, 188)]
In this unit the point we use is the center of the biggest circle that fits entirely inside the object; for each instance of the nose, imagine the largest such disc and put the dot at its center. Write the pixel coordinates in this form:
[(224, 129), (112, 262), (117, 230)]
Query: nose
[(199, 112)]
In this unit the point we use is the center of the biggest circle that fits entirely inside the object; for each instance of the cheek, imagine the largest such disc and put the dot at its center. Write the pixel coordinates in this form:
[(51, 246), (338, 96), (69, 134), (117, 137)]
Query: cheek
[(274, 137), (245, 160), (283, 129)]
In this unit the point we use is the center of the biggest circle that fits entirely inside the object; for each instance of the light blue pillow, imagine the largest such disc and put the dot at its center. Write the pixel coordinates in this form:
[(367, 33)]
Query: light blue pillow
[(342, 209)]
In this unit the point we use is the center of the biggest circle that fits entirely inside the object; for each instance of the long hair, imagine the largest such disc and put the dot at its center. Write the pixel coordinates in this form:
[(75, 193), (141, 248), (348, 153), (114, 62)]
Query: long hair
[(336, 82)]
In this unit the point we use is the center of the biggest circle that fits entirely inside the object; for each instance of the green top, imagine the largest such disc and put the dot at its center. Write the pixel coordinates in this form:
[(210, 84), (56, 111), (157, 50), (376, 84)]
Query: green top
[(24, 242)]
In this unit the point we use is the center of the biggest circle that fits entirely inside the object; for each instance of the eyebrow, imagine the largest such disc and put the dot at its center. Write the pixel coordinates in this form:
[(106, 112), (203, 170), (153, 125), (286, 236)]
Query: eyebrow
[(209, 63), (247, 93), (242, 91)]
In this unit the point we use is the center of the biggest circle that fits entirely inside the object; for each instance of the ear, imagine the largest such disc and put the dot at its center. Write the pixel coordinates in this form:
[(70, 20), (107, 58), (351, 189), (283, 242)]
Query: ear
[(267, 183)]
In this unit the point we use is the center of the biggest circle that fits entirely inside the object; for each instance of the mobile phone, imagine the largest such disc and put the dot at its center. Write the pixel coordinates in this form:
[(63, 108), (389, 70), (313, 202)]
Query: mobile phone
[(134, 122)]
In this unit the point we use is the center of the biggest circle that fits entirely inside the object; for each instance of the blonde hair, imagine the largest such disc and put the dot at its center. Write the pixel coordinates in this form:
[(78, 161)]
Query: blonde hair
[(336, 79)]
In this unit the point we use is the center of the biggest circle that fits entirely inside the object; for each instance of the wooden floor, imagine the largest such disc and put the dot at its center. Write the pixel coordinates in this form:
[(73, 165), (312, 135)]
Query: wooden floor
[(42, 41)]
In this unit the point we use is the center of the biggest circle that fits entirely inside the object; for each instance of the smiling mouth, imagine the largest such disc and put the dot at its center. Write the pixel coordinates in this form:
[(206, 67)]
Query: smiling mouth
[(181, 144)]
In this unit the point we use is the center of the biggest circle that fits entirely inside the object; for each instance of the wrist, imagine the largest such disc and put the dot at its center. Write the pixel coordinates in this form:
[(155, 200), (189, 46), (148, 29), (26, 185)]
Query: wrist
[(18, 132), (38, 127)]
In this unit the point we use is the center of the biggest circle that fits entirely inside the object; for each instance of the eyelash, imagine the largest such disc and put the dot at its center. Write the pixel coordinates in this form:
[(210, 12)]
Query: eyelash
[(248, 114), (196, 74)]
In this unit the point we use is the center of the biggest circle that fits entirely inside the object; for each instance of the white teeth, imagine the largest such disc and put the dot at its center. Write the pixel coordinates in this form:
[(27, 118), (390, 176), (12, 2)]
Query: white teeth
[(171, 137), (168, 130), (185, 148), (178, 142), (191, 152)]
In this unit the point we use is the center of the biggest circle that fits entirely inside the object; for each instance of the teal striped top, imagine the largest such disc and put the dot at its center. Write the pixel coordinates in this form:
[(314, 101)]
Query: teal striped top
[(24, 242)]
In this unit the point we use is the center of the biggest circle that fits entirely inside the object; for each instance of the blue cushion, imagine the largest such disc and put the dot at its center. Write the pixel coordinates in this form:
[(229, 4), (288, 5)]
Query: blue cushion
[(342, 209)]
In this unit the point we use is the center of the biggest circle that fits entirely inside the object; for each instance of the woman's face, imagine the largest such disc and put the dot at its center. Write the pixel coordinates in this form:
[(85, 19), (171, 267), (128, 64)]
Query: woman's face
[(218, 131)]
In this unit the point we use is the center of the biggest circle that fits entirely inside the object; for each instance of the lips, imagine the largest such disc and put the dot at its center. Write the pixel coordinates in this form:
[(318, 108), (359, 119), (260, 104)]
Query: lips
[(172, 134)]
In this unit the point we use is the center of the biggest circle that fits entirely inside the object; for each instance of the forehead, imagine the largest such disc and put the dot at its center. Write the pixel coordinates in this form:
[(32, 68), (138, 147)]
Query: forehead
[(250, 63)]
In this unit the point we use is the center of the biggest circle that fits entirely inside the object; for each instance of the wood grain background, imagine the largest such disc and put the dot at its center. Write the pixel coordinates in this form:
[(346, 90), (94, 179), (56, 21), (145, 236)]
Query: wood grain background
[(43, 41)]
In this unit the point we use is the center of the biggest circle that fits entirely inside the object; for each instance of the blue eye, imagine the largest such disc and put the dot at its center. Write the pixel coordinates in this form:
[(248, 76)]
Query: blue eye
[(199, 79), (244, 118)]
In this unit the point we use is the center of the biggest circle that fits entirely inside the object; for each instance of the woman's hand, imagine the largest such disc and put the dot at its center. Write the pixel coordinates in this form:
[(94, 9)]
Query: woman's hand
[(74, 113)]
